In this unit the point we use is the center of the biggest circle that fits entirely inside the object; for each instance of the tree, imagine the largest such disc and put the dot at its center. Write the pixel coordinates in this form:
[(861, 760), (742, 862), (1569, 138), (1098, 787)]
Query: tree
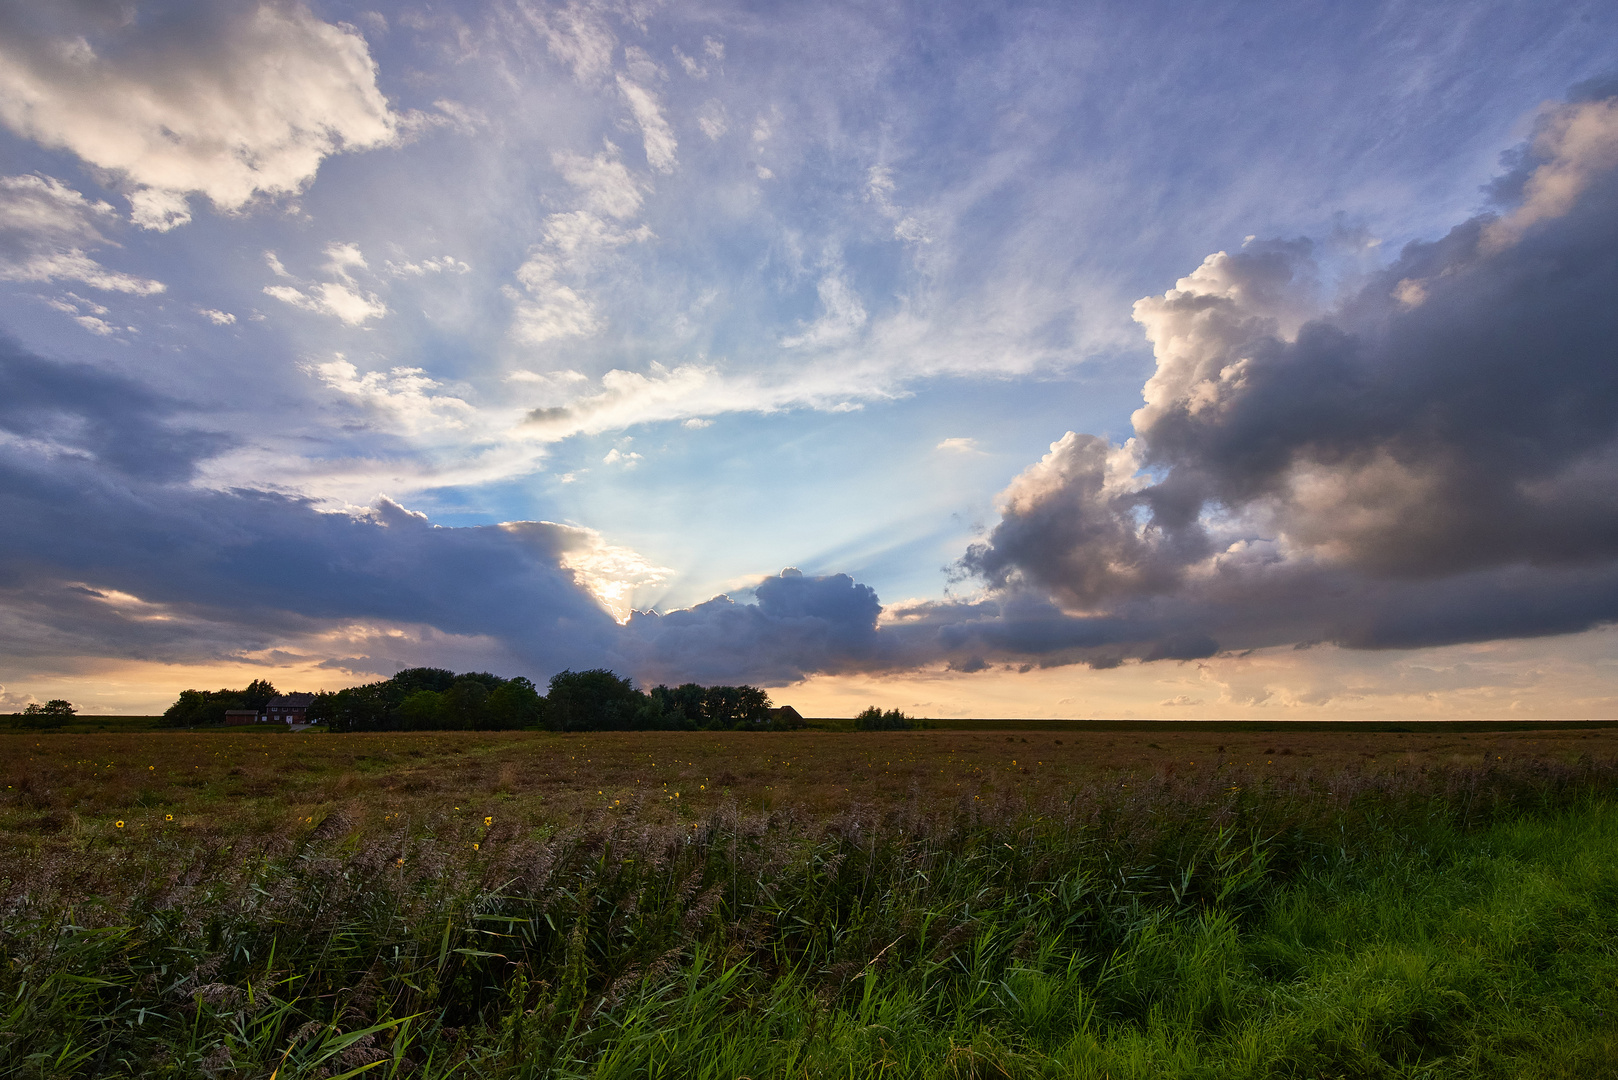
[(464, 702), (258, 694), (515, 705), (53, 714), (195, 708), (423, 678), (425, 710), (323, 710), (594, 700)]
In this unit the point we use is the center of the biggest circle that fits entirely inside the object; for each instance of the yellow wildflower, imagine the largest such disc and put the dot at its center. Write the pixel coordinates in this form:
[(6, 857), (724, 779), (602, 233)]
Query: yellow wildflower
[(119, 824)]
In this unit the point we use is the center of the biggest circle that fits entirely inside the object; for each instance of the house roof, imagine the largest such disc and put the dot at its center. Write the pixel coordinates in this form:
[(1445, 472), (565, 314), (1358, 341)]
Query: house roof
[(296, 701)]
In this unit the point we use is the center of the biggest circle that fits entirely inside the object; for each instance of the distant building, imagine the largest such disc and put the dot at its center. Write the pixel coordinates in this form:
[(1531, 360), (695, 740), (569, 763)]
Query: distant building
[(786, 717), (243, 716), (288, 708)]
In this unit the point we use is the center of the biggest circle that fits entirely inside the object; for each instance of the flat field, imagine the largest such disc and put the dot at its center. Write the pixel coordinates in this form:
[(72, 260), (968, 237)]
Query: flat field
[(78, 784), (1110, 900)]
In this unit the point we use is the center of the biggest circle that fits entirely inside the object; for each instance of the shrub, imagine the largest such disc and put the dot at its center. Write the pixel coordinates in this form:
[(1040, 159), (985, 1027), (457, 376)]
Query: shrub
[(874, 719)]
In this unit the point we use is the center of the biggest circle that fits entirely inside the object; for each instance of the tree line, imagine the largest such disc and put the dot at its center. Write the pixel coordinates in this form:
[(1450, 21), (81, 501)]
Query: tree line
[(199, 708), (436, 699)]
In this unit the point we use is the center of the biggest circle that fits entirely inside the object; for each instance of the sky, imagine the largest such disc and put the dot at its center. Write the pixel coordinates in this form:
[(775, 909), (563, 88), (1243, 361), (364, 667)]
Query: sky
[(974, 359)]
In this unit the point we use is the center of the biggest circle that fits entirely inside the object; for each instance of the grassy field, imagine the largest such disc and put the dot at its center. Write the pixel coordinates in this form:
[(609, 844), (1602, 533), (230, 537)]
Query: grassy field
[(219, 780), (1187, 900)]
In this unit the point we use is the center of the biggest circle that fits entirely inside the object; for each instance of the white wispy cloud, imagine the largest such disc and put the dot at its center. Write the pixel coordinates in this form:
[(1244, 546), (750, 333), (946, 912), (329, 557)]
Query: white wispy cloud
[(341, 299), (841, 316), (402, 395), (440, 264), (712, 119), (607, 185), (656, 134), (550, 305), (45, 229)]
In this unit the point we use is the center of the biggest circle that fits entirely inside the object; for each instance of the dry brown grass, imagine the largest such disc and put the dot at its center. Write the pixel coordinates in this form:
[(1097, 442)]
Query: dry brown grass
[(62, 786)]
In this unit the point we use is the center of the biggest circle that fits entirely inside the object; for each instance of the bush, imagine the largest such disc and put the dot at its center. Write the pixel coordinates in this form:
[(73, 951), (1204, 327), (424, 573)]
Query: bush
[(874, 719)]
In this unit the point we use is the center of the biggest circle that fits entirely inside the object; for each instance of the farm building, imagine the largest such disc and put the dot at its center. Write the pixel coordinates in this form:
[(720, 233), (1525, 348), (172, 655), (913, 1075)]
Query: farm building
[(289, 708)]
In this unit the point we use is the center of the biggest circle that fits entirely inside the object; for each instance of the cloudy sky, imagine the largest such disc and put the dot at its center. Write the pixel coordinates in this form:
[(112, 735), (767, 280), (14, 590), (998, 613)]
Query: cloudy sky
[(1120, 359)]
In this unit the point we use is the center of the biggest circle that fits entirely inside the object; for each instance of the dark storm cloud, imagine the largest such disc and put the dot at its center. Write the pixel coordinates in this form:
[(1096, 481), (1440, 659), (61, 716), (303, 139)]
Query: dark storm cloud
[(92, 493), (798, 626), (82, 411), (108, 551), (1434, 459)]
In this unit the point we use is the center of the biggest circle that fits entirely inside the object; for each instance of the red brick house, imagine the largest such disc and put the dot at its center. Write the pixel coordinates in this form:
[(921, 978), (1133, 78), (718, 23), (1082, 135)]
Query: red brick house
[(289, 708)]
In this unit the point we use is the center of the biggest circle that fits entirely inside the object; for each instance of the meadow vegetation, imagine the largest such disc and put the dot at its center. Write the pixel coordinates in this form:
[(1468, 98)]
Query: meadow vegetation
[(950, 904)]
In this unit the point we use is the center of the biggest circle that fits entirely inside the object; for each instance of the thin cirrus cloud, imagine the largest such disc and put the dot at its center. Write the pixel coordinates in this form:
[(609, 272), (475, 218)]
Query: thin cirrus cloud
[(47, 230)]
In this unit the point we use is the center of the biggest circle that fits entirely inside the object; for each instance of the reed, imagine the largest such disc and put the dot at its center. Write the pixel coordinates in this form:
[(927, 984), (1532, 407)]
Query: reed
[(1446, 922)]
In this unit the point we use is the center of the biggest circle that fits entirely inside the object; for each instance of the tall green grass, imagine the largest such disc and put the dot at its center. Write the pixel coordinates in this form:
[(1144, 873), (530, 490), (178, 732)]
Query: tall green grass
[(1458, 923)]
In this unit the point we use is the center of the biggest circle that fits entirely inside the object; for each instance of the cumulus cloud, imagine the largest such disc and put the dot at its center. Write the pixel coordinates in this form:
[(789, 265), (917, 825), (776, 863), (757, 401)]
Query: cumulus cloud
[(713, 120), (1431, 458), (331, 298), (578, 36), (46, 228), (879, 190), (228, 100), (611, 573)]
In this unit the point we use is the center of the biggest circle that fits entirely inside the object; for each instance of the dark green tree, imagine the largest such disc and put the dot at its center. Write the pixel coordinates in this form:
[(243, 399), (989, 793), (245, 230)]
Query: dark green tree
[(514, 706), (198, 708), (410, 680), (464, 703), (53, 714), (594, 700), (424, 710), (258, 694)]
